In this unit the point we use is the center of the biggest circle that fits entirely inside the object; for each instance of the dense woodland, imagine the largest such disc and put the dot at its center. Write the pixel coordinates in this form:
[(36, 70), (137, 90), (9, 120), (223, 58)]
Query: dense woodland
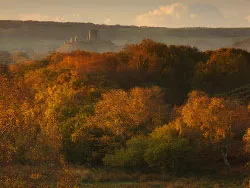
[(150, 108)]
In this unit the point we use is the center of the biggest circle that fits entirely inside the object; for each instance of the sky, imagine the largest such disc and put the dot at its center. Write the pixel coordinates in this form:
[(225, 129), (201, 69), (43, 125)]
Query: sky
[(158, 13)]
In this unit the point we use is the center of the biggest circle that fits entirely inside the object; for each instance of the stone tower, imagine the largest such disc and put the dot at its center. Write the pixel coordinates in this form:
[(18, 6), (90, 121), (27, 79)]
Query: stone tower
[(76, 39), (93, 35)]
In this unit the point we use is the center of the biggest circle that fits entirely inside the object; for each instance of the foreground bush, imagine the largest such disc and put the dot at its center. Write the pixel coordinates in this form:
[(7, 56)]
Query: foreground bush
[(131, 157), (167, 152), (161, 151)]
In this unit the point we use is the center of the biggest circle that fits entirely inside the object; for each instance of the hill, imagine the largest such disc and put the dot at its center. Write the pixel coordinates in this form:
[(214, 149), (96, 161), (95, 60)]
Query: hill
[(44, 36), (245, 44)]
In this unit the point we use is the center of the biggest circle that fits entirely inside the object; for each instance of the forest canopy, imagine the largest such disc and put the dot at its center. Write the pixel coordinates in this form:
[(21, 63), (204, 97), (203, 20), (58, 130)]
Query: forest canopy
[(152, 107)]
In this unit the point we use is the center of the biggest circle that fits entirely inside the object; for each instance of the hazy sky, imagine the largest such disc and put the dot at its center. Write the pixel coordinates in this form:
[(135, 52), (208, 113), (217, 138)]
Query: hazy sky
[(167, 13)]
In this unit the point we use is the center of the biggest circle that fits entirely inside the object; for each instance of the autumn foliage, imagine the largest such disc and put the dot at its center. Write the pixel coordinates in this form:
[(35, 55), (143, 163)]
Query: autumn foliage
[(149, 107)]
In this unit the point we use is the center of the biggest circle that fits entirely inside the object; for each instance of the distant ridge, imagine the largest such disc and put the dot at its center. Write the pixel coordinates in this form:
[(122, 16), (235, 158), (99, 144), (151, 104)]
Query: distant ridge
[(77, 27), (48, 35), (245, 44)]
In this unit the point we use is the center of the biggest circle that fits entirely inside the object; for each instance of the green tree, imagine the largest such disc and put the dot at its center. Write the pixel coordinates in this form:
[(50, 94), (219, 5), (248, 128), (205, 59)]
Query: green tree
[(130, 157), (167, 152)]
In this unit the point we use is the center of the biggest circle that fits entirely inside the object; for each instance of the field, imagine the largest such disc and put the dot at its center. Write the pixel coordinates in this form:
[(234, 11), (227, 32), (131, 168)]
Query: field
[(76, 176)]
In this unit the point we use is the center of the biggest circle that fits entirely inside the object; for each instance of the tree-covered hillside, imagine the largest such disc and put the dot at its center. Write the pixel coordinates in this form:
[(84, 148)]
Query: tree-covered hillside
[(149, 108)]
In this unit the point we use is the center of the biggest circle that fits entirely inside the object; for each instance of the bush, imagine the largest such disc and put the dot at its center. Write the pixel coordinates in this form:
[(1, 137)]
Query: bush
[(163, 151), (168, 154), (131, 157)]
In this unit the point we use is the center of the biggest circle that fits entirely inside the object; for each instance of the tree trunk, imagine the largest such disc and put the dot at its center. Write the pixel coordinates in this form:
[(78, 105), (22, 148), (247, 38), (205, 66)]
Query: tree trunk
[(224, 152)]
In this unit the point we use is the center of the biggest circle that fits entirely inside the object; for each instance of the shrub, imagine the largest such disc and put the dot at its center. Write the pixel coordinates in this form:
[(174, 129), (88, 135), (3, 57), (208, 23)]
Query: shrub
[(163, 151), (167, 154), (130, 157)]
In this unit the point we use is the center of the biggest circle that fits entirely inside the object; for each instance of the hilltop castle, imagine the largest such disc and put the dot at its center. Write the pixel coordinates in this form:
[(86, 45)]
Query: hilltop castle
[(93, 35), (92, 43)]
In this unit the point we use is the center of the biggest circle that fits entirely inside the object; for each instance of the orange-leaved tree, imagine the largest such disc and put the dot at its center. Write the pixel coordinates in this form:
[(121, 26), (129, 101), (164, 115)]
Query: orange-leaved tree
[(219, 121)]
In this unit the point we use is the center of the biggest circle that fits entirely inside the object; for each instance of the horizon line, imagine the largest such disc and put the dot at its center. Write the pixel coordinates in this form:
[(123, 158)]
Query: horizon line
[(115, 25)]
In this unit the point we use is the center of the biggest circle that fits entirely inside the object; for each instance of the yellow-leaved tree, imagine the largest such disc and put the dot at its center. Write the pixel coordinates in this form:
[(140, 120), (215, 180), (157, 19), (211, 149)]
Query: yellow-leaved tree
[(246, 138), (219, 121), (18, 128), (120, 115)]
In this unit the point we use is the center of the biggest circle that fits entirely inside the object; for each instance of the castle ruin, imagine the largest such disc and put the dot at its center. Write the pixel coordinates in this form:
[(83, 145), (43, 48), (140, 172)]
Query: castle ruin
[(92, 42), (93, 35)]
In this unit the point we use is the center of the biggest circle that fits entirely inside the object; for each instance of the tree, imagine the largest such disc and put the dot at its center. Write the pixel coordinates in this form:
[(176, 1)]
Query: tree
[(120, 115), (20, 57), (223, 70), (247, 140), (163, 151), (171, 67), (219, 121), (167, 151), (246, 137), (18, 128)]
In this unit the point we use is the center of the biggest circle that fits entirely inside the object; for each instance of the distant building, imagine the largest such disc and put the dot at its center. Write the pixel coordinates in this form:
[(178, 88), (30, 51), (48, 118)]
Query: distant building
[(93, 42), (76, 39), (93, 35)]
